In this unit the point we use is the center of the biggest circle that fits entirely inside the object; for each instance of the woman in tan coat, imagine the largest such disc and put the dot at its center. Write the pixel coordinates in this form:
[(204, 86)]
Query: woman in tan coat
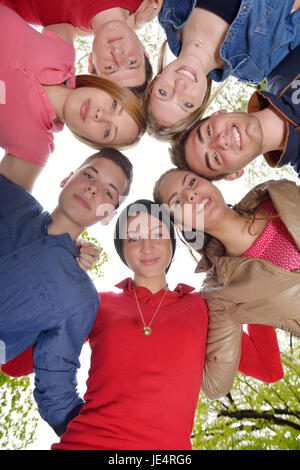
[(251, 257)]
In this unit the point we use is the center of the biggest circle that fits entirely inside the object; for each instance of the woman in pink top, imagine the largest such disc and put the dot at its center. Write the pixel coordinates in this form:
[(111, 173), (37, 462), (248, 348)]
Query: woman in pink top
[(39, 94), (251, 257)]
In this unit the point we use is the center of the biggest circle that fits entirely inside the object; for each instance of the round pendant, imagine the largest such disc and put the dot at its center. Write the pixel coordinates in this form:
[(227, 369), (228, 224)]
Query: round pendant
[(147, 330)]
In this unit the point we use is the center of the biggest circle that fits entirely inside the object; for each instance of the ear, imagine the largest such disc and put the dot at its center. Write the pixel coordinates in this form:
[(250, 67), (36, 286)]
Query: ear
[(65, 180), (107, 219), (235, 175), (90, 64)]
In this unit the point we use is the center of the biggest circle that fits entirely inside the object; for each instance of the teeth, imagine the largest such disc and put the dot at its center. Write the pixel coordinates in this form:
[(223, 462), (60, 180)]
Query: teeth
[(188, 74), (200, 206), (236, 136)]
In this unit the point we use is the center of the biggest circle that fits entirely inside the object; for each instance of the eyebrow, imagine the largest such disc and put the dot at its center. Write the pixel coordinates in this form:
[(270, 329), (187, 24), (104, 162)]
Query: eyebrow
[(206, 157), (109, 184), (182, 183)]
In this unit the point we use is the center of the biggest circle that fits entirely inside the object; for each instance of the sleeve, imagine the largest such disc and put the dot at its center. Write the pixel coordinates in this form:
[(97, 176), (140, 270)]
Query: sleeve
[(56, 360), (223, 350), (20, 365), (260, 357)]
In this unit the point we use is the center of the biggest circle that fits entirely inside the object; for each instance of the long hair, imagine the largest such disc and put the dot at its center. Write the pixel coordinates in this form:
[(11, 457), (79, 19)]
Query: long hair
[(127, 99)]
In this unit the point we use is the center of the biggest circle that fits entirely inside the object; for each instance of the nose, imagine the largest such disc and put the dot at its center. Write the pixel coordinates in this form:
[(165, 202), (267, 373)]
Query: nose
[(191, 194), (117, 53), (146, 245), (98, 114), (180, 84), (92, 190), (222, 140)]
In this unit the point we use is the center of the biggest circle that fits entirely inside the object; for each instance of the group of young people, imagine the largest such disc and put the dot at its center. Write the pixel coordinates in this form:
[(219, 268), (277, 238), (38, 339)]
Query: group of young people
[(152, 348)]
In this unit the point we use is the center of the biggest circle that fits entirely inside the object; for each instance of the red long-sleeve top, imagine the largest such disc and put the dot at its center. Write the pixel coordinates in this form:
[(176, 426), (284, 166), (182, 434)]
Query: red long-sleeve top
[(142, 391)]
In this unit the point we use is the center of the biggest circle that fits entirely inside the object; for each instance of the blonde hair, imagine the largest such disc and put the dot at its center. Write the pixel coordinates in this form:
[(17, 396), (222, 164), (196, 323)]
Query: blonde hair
[(163, 133), (127, 99)]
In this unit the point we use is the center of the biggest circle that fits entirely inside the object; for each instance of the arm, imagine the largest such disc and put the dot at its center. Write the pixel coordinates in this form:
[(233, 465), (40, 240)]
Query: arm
[(19, 171), (56, 360), (89, 254), (65, 31), (260, 357)]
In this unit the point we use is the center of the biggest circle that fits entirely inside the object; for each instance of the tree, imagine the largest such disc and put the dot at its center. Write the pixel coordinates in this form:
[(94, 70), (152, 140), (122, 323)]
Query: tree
[(255, 415)]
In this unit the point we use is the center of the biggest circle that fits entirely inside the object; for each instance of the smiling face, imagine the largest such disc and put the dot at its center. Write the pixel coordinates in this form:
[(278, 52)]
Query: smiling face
[(147, 247), (95, 115), (223, 144), (178, 91), (91, 194), (194, 202), (118, 54)]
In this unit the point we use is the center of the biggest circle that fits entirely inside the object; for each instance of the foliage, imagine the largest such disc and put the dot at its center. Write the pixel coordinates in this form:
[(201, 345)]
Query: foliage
[(255, 415), (18, 413), (96, 271)]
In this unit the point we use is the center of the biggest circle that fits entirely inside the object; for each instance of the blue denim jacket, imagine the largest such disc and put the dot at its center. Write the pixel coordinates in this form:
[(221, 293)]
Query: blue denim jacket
[(261, 35), (46, 299), (283, 95)]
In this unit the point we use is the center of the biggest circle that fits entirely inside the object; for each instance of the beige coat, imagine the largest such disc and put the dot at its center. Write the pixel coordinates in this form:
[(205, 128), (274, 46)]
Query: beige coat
[(248, 290)]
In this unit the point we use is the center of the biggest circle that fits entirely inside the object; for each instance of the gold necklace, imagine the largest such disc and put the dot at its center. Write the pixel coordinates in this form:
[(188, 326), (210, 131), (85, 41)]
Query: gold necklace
[(147, 330)]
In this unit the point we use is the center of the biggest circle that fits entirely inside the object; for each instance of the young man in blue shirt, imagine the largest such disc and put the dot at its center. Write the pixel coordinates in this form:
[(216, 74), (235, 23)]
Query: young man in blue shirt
[(221, 145), (46, 298)]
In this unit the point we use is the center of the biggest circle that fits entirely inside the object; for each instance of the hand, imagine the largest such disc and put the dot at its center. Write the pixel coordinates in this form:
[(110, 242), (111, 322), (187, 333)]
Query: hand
[(89, 254)]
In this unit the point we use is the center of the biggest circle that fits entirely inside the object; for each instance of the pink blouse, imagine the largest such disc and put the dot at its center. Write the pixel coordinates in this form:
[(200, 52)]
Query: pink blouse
[(28, 60), (275, 244)]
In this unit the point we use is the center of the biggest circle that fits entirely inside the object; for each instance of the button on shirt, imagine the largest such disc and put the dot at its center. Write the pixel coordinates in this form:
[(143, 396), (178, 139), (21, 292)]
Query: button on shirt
[(46, 299), (28, 60)]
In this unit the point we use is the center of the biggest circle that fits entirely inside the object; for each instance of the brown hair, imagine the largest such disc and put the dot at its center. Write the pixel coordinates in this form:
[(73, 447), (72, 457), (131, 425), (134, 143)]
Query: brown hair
[(127, 99)]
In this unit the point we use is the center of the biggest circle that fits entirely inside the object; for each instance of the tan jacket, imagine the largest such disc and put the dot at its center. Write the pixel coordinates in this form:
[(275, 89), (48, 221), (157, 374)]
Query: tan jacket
[(248, 290)]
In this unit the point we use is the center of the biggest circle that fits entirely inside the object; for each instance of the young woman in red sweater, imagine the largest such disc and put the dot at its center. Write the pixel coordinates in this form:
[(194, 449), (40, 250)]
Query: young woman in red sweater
[(148, 348)]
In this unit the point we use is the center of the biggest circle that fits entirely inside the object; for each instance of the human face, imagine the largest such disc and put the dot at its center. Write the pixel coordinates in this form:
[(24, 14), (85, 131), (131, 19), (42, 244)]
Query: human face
[(118, 54), (147, 247), (223, 144), (178, 91), (97, 116), (92, 193), (194, 202)]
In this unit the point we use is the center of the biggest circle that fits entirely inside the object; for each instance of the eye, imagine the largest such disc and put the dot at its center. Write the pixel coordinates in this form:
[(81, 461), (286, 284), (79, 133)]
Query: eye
[(177, 203), (107, 131), (89, 176), (108, 194), (110, 67), (216, 158), (192, 182), (187, 104), (132, 239), (163, 92), (208, 131), (114, 105), (131, 62)]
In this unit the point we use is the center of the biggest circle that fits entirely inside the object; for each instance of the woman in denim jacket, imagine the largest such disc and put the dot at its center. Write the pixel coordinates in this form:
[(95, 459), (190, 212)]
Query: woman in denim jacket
[(213, 40)]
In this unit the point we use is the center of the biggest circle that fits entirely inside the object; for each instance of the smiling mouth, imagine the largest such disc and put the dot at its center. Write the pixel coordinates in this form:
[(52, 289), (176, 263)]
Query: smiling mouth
[(149, 262), (202, 204), (82, 201), (85, 109), (237, 136), (187, 72)]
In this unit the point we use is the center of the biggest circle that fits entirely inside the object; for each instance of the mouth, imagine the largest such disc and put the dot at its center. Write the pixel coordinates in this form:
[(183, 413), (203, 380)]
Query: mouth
[(85, 109), (187, 72), (202, 204), (82, 201), (237, 136), (149, 262)]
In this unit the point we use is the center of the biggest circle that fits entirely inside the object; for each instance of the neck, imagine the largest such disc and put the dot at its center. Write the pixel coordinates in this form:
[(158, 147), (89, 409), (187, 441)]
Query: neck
[(273, 129), (234, 234), (154, 284), (211, 29), (57, 95), (62, 224), (117, 13)]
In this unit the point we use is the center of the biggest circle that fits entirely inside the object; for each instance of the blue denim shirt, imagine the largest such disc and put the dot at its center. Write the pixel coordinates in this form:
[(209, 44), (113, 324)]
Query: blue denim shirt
[(46, 299), (283, 95), (261, 35)]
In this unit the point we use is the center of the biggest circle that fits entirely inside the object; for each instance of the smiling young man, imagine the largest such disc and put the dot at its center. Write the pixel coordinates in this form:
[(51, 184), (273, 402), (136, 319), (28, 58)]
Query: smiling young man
[(221, 145), (117, 53), (46, 298)]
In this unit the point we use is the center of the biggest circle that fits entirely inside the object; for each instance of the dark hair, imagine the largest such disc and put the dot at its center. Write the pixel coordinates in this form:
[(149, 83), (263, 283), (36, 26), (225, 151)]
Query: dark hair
[(119, 159), (148, 207)]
